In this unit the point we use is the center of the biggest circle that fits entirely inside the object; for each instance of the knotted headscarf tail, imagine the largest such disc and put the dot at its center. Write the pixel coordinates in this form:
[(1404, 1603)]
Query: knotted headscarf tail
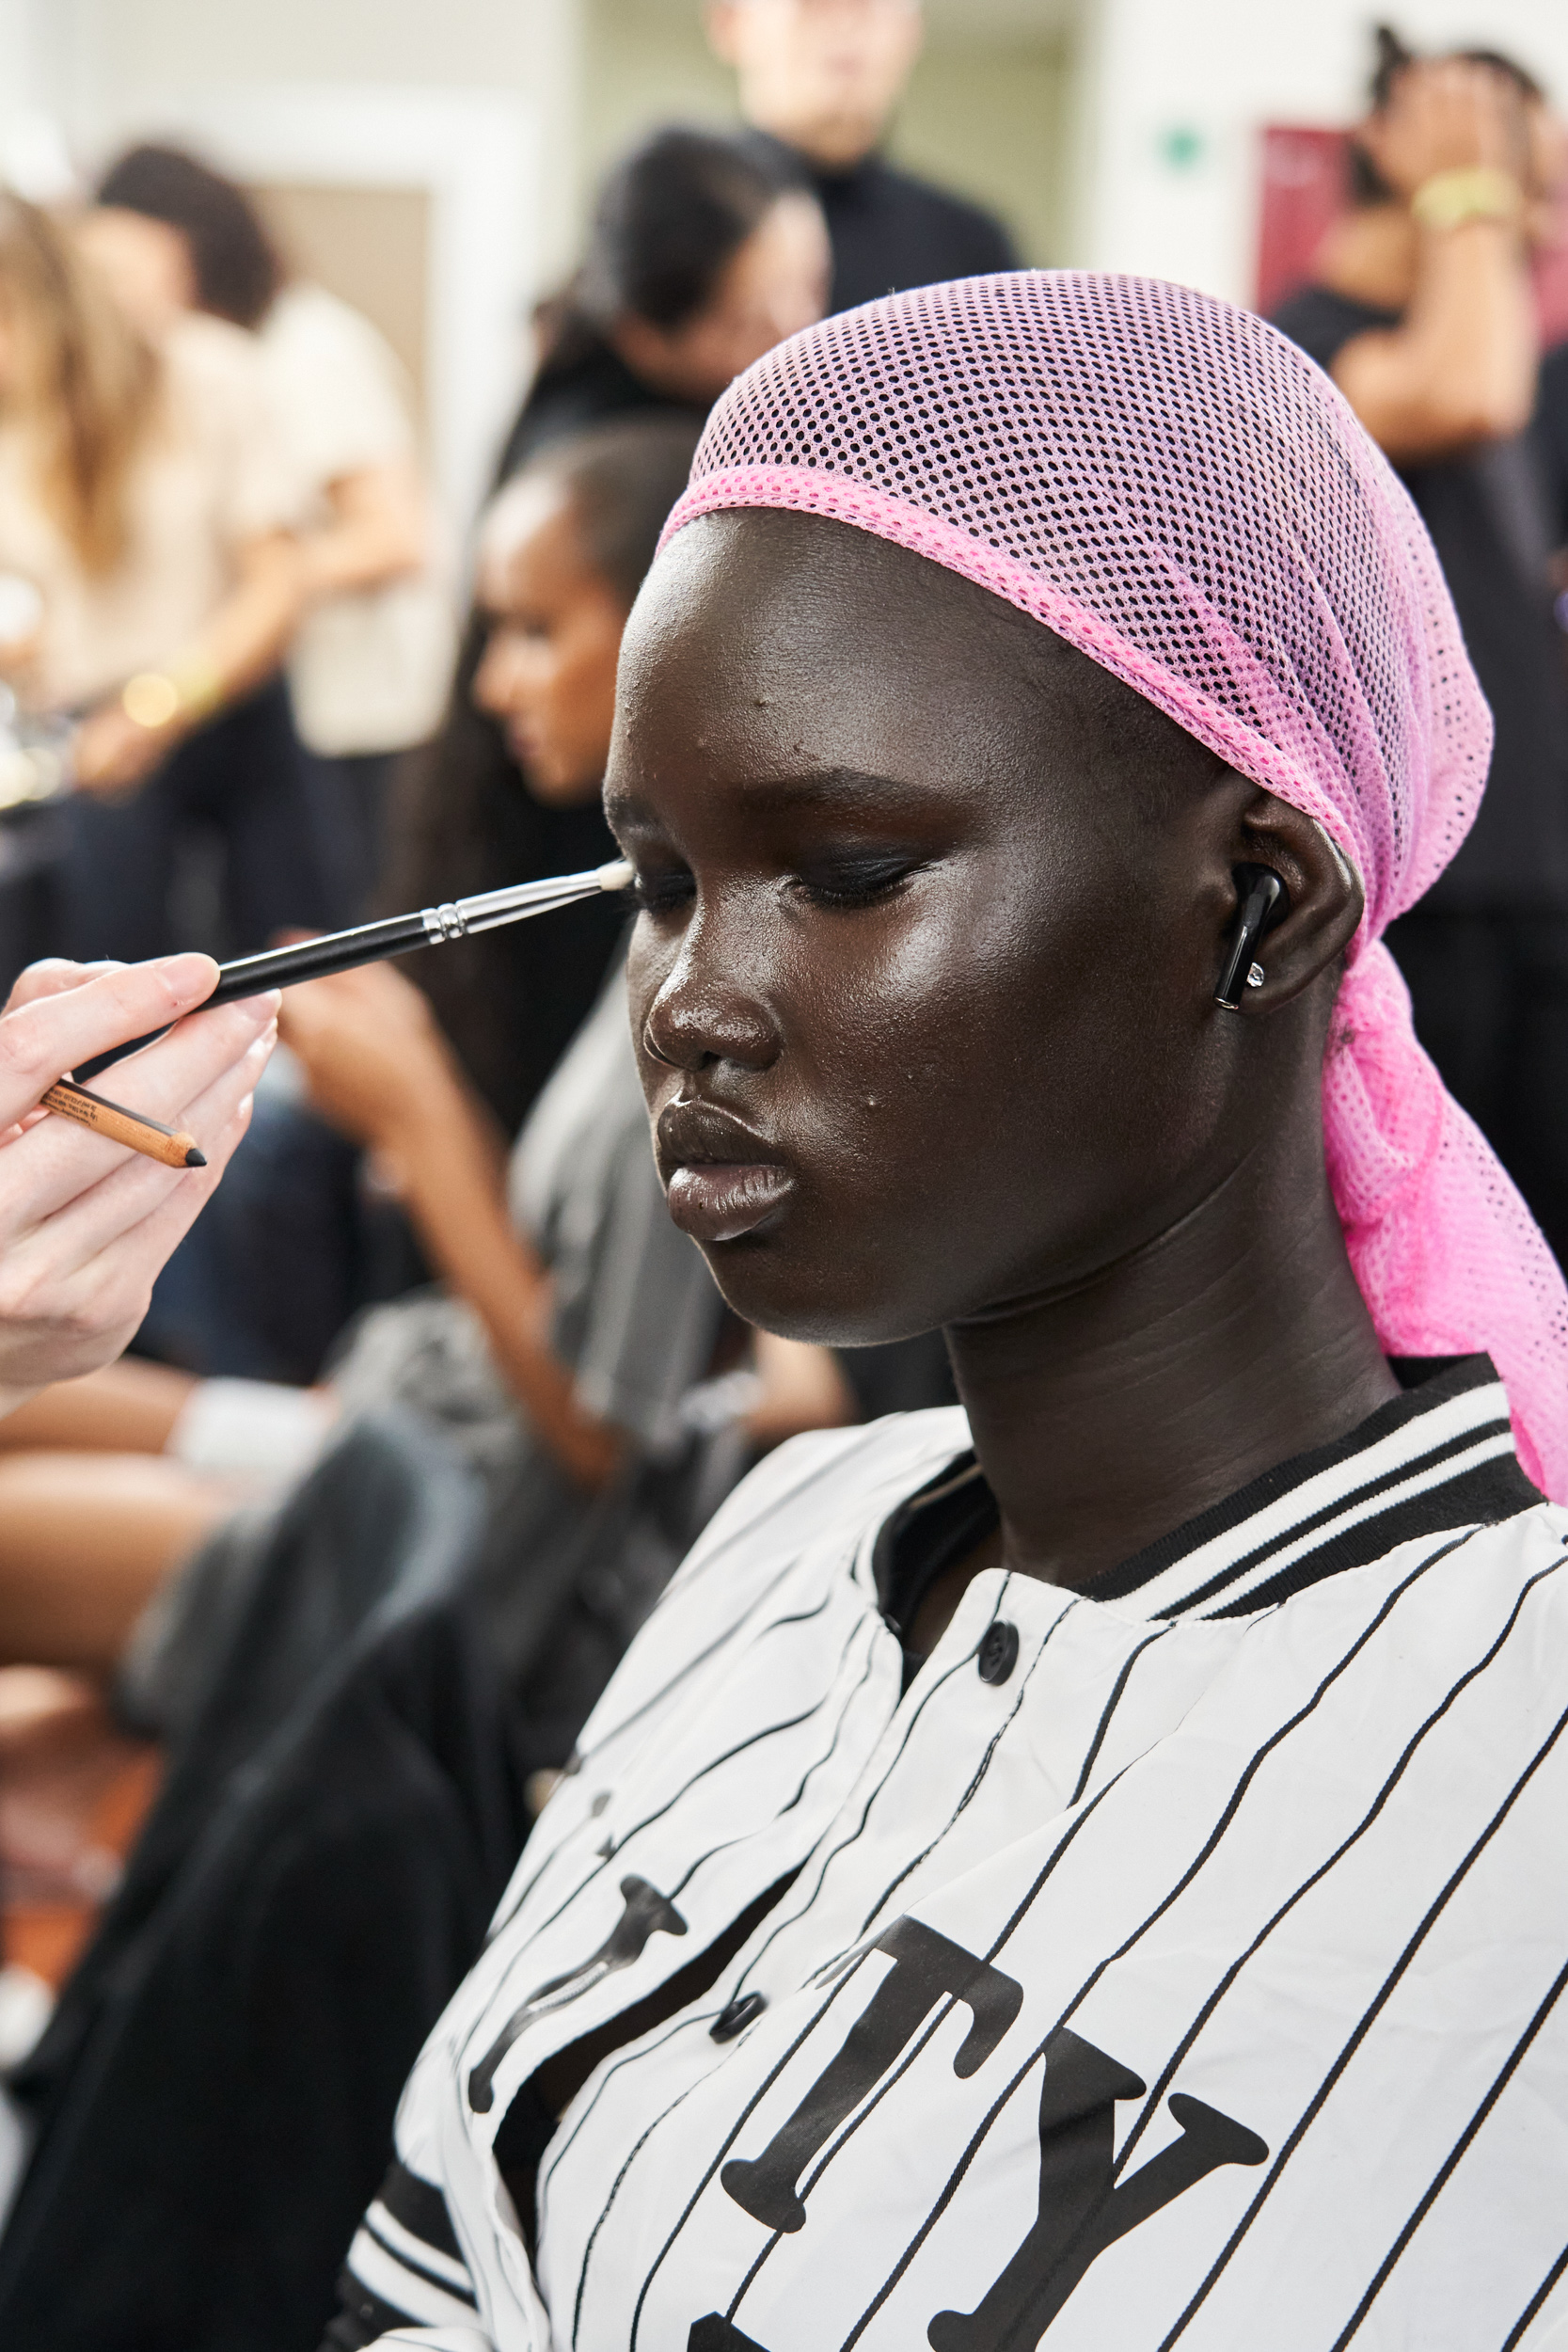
[(1180, 492)]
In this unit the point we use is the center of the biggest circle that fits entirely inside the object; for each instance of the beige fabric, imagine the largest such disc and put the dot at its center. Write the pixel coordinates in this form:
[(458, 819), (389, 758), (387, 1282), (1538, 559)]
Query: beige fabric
[(215, 474), (370, 671)]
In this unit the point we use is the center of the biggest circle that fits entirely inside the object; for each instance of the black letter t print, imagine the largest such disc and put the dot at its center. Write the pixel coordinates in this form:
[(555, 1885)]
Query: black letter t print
[(928, 1969), (1083, 2209)]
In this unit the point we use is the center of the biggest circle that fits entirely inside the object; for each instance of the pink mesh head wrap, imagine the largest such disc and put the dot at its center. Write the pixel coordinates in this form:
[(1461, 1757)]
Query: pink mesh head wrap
[(1174, 488)]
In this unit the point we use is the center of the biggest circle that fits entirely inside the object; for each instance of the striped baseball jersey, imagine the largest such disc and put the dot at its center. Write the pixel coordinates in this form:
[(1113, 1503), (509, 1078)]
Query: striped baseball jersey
[(1178, 1964)]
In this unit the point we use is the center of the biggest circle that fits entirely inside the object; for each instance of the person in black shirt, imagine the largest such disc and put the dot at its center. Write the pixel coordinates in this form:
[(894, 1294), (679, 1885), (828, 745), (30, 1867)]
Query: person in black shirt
[(819, 80), (1421, 312)]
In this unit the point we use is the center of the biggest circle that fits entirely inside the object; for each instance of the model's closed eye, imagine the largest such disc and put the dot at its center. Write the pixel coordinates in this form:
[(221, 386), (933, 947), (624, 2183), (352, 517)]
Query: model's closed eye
[(660, 890), (857, 879)]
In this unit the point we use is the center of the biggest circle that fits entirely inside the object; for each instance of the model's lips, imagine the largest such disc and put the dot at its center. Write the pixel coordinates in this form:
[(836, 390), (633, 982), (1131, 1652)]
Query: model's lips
[(720, 1199), (720, 1184)]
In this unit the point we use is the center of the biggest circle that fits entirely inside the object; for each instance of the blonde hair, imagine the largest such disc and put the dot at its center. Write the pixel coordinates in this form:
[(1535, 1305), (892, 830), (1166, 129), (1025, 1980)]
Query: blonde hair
[(84, 385)]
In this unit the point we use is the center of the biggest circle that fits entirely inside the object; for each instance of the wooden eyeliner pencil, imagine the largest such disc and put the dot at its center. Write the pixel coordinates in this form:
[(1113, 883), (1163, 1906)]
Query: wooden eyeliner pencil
[(147, 1136)]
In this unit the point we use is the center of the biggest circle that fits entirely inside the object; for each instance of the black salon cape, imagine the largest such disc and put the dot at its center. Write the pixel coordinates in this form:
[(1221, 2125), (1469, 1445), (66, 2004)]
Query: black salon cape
[(890, 231), (214, 2096)]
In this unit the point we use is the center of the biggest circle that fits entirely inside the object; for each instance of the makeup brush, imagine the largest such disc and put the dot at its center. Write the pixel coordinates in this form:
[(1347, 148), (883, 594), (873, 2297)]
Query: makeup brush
[(370, 943), (432, 927)]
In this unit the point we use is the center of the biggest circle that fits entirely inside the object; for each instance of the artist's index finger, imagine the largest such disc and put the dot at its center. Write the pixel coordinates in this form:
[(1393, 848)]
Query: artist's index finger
[(52, 1033)]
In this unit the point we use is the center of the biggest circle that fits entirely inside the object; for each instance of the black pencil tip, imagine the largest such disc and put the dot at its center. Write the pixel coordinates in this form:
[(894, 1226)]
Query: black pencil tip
[(195, 1158)]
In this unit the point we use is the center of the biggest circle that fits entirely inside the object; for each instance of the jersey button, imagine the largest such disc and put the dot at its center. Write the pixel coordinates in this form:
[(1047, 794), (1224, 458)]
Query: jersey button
[(736, 2016), (998, 1651)]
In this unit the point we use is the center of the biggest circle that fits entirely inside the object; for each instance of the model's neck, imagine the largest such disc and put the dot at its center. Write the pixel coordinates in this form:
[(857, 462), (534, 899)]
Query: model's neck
[(1106, 1417), (833, 143)]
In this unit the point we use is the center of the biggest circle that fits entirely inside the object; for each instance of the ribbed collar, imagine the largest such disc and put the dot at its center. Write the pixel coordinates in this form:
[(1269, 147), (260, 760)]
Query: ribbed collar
[(1439, 1455)]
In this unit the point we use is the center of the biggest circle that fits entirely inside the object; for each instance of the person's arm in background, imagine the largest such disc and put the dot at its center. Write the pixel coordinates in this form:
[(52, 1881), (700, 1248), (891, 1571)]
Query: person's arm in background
[(1460, 368), (240, 645), (379, 531), (381, 1071), (85, 1224)]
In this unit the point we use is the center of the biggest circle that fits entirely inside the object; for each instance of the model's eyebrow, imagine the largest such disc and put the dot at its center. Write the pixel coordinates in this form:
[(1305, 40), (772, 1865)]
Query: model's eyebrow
[(841, 790)]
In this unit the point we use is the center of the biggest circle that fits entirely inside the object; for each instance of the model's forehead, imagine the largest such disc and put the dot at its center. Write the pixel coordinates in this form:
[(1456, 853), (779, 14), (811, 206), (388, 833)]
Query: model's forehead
[(803, 604)]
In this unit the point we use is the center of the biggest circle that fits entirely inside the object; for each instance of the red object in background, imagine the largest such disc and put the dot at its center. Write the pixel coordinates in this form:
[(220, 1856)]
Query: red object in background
[(1305, 190), (1306, 185)]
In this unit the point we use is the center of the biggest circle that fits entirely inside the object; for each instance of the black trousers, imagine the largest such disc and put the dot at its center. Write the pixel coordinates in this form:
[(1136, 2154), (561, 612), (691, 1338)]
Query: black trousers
[(245, 780), (1489, 991)]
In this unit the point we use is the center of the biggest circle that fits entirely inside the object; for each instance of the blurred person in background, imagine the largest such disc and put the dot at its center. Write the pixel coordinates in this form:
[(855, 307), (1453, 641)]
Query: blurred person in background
[(578, 1358), (144, 497), (698, 260), (819, 80), (1421, 311), (573, 1320), (700, 256), (370, 662)]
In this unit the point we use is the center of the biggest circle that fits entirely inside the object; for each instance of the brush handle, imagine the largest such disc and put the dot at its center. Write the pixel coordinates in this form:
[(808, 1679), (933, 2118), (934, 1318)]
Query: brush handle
[(283, 967), (368, 942), (432, 927)]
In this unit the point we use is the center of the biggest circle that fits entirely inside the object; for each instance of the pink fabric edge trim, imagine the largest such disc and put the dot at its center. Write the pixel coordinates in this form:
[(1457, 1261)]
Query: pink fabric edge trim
[(812, 490)]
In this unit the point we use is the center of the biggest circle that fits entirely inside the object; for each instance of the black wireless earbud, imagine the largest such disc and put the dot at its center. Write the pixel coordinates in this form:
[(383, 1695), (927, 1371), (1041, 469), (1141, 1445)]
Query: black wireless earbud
[(1265, 901)]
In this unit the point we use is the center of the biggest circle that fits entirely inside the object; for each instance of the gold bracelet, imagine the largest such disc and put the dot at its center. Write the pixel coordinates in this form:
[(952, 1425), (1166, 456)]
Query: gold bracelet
[(155, 698), (1471, 192)]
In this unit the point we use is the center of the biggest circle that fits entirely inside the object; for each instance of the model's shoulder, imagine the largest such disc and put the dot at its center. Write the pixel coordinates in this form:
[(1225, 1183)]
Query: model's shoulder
[(837, 1478)]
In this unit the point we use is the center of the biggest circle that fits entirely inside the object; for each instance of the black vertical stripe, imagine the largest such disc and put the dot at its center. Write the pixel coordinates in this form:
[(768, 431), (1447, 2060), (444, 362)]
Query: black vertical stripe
[(1516, 2332), (981, 1769), (1254, 1766), (616, 1856), (1364, 2026), (1110, 1708), (1167, 2072), (1452, 2160)]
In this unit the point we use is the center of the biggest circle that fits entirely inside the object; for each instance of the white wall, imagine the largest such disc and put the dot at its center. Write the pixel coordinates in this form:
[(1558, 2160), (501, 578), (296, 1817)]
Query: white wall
[(1173, 92), (983, 114), (475, 102)]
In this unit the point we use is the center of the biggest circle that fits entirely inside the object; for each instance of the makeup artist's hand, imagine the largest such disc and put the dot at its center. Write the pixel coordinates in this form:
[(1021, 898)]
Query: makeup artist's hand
[(374, 1059), (85, 1224)]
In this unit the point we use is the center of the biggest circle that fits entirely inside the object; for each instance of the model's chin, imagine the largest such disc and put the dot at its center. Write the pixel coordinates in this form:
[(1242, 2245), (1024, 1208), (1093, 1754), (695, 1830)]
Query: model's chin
[(785, 1276)]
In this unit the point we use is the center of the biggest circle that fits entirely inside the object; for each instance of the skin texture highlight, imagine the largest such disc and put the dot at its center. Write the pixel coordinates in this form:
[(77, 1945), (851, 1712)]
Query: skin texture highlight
[(934, 911)]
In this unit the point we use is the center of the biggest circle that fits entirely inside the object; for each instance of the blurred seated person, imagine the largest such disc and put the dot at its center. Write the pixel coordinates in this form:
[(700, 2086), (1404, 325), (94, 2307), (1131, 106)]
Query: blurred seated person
[(819, 80), (146, 497), (1421, 311), (370, 662), (577, 1353), (698, 260)]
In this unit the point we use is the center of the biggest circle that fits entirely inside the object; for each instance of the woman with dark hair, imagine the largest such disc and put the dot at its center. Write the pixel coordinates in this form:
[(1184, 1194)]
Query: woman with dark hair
[(698, 260), (1088, 1868), (220, 256), (370, 661)]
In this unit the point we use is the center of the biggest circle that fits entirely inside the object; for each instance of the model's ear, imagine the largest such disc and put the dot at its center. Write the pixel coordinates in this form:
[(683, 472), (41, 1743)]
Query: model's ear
[(1326, 900)]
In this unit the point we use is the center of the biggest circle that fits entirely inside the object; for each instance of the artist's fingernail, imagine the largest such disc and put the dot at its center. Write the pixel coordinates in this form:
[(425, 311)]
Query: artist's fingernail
[(189, 976)]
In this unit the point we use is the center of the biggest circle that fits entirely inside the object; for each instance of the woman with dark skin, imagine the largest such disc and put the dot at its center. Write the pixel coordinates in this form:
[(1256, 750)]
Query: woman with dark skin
[(1094, 1251), (1100, 1886)]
